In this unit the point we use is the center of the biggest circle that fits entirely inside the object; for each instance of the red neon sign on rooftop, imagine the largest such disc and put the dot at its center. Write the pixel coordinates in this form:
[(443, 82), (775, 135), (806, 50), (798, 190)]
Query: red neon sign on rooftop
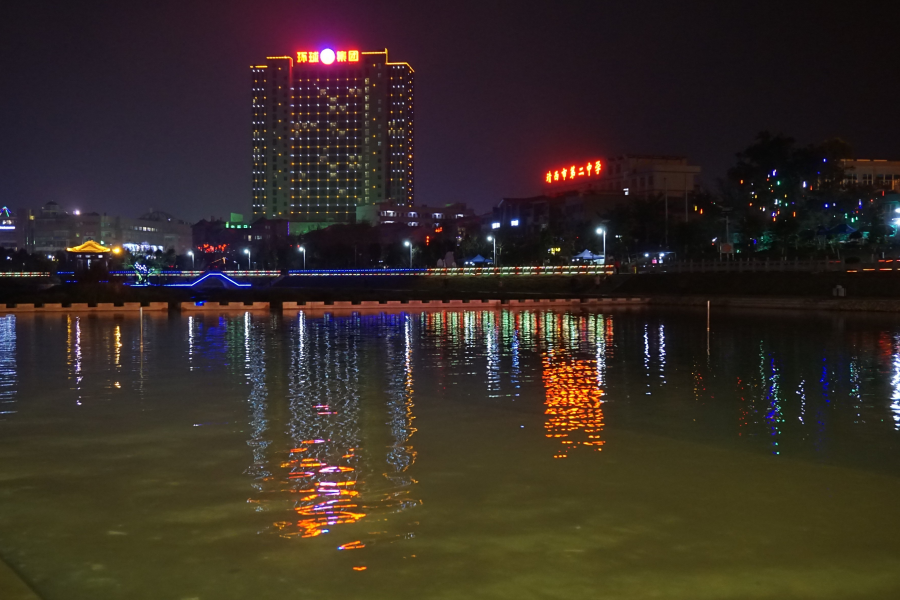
[(580, 171), (328, 56)]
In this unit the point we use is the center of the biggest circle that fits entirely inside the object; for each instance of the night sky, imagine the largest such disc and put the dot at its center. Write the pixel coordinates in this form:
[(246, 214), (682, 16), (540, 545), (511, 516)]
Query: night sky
[(126, 106)]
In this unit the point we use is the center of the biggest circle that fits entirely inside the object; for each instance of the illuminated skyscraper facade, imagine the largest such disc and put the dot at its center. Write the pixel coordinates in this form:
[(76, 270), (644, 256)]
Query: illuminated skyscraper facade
[(332, 130)]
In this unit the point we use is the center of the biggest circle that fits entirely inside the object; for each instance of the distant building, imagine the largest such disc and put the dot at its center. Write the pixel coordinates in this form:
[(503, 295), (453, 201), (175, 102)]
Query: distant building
[(52, 230), (631, 174), (9, 236), (331, 130), (564, 212), (219, 235), (428, 217), (270, 230), (880, 174), (651, 175)]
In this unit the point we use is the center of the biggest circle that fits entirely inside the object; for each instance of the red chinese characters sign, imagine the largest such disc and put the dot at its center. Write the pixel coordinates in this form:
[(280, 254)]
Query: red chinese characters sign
[(580, 171), (328, 56)]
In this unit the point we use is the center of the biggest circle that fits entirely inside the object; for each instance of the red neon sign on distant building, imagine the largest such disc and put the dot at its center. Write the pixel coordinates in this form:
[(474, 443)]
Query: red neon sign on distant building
[(328, 56), (591, 169)]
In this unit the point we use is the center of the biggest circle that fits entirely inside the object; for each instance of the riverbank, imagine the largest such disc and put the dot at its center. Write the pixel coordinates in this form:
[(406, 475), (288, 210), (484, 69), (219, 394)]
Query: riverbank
[(779, 303), (12, 587), (775, 284), (872, 292), (328, 289)]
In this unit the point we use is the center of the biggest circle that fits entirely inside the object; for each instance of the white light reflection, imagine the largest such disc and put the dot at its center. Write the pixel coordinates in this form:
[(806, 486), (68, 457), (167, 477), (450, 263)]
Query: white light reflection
[(8, 383), (774, 416), (255, 372), (118, 351), (492, 352), (662, 352), (647, 355), (515, 342), (895, 383), (855, 389), (599, 329), (190, 343), (74, 344), (401, 454)]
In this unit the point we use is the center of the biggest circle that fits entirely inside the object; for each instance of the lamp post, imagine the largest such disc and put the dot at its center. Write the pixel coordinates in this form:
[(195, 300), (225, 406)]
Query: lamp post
[(491, 238), (408, 244), (247, 252), (191, 254), (601, 230), (303, 251)]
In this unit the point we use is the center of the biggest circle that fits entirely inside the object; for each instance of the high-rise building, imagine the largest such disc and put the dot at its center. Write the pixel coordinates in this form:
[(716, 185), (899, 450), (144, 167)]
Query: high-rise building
[(332, 130)]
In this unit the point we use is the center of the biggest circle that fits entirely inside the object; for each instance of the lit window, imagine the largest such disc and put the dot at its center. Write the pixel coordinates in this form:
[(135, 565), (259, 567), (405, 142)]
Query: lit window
[(514, 223)]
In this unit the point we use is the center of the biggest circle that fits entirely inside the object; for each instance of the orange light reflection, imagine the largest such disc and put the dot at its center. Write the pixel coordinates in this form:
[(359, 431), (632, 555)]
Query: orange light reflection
[(574, 402)]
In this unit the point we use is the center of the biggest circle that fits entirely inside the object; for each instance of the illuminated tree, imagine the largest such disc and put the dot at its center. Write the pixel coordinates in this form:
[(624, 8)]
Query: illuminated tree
[(144, 266)]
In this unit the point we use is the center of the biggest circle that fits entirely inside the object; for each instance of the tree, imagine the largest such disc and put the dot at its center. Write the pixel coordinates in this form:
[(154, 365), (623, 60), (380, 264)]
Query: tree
[(145, 265)]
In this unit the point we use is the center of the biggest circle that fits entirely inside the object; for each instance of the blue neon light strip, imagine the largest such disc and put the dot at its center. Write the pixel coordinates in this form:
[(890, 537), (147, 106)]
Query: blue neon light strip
[(208, 275)]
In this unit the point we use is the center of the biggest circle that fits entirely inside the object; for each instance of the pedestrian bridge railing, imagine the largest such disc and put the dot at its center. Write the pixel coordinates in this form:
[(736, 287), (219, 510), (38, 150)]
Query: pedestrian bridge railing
[(756, 266)]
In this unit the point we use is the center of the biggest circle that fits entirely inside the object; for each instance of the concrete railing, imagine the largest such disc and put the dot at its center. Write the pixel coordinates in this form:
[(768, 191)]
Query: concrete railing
[(106, 307), (222, 306), (342, 306), (368, 305)]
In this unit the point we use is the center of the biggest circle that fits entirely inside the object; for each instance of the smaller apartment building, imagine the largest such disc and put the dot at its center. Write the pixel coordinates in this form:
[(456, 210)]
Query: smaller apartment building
[(568, 212), (639, 175), (433, 218), (51, 230), (630, 174), (880, 174)]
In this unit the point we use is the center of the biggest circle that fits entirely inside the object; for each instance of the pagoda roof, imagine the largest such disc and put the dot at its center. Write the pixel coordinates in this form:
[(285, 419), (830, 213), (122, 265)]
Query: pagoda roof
[(89, 246)]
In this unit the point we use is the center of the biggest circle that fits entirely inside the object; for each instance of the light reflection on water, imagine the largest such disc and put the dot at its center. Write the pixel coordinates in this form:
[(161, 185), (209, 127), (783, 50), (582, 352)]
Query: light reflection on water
[(7, 365), (895, 382), (328, 409)]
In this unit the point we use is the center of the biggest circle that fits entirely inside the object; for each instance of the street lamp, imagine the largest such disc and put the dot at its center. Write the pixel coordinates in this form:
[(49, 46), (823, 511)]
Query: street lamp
[(491, 238), (191, 254), (408, 244), (601, 230), (247, 252), (303, 250)]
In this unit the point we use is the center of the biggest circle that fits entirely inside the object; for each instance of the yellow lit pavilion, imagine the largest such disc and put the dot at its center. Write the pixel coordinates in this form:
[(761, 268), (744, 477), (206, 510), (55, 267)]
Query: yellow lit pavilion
[(89, 247)]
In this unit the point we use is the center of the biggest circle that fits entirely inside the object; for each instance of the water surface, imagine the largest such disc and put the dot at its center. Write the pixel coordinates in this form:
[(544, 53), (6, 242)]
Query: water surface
[(457, 454)]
